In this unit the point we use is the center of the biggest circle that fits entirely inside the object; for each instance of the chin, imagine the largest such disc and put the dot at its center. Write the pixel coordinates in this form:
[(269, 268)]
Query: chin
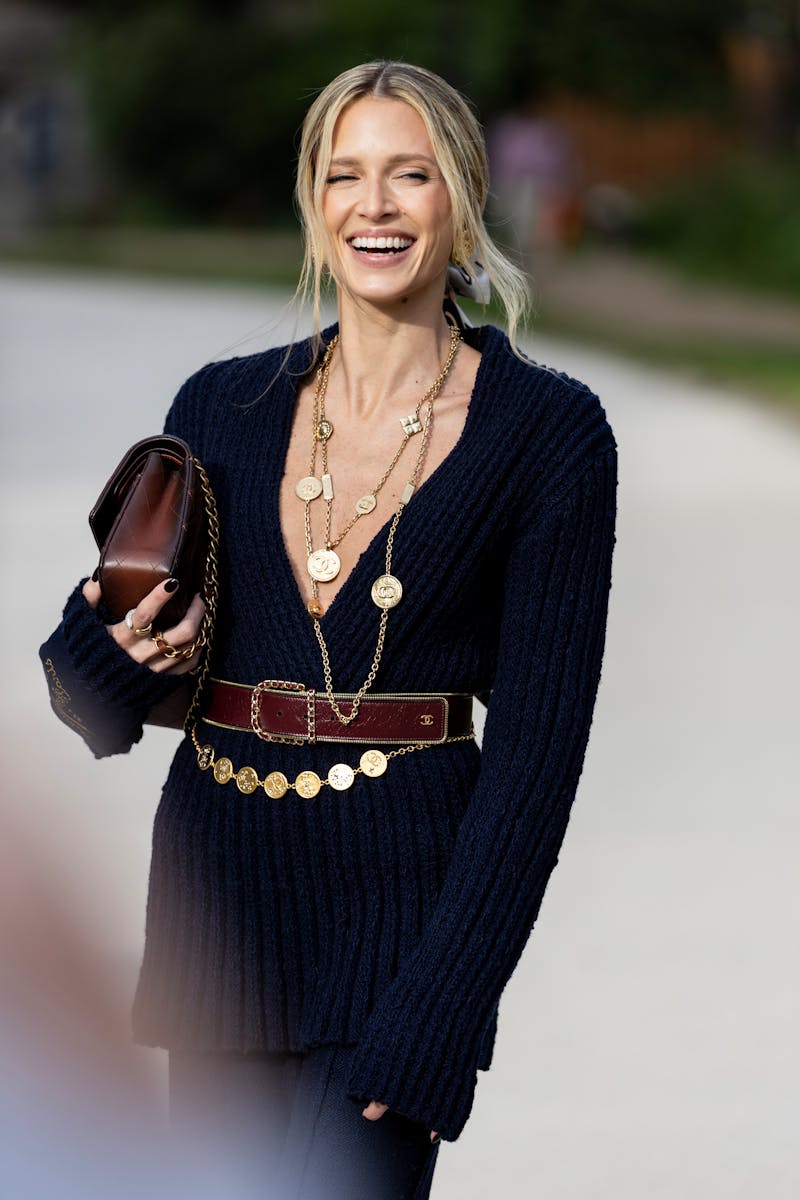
[(385, 293)]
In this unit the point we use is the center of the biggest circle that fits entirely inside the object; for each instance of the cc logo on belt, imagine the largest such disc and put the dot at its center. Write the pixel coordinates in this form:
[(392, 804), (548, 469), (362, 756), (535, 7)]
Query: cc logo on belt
[(426, 719)]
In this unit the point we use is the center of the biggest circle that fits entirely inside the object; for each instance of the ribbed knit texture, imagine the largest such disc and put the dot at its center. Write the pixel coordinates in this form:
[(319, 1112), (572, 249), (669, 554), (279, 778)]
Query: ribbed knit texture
[(392, 915)]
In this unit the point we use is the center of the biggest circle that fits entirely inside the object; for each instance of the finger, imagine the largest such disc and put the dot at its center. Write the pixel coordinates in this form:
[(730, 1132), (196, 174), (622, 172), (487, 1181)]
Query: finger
[(144, 614), (374, 1110), (91, 592), (435, 1137), (188, 627), (138, 645), (175, 666)]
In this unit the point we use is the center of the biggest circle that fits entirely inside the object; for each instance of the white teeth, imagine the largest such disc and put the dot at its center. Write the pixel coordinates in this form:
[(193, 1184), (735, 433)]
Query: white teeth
[(381, 243)]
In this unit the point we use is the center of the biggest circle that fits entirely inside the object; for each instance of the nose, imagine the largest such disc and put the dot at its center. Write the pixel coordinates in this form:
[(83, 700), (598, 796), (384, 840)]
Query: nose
[(376, 199)]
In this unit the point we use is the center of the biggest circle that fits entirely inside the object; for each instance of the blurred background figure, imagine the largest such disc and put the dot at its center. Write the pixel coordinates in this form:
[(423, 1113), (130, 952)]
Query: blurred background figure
[(48, 168), (79, 1117), (536, 204)]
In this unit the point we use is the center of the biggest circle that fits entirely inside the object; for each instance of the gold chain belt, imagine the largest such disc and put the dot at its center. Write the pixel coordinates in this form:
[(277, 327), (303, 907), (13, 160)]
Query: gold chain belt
[(307, 784)]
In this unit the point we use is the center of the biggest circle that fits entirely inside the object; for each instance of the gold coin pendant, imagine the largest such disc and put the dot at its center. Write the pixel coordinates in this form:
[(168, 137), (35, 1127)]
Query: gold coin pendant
[(247, 780), (373, 763), (324, 565), (308, 784), (205, 757), (341, 777), (276, 785), (387, 590), (365, 504), (324, 430), (308, 488), (223, 770)]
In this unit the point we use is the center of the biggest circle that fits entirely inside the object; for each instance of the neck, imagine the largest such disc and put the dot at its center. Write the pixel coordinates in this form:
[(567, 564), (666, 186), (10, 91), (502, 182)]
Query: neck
[(385, 360)]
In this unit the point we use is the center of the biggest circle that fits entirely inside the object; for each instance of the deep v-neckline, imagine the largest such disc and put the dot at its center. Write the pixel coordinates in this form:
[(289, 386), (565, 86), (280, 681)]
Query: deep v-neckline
[(381, 535)]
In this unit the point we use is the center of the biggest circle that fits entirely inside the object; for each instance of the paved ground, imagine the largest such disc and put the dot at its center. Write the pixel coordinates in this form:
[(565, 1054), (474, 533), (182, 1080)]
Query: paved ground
[(648, 1043), (628, 294)]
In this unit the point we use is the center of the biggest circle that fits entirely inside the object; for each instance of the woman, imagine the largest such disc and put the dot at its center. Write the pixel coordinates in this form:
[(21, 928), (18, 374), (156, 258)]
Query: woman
[(410, 509)]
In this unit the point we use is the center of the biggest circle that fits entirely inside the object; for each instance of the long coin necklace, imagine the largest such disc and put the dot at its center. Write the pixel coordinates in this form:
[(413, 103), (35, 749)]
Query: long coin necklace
[(324, 564)]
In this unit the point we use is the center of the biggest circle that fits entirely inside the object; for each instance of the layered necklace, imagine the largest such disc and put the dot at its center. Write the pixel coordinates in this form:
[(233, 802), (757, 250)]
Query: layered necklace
[(324, 564)]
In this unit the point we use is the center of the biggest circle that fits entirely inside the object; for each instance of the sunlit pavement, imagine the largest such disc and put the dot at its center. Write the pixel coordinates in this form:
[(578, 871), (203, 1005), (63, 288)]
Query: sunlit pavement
[(648, 1040)]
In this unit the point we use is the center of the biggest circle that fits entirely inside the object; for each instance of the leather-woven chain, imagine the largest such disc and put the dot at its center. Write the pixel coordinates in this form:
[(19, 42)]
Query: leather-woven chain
[(204, 640)]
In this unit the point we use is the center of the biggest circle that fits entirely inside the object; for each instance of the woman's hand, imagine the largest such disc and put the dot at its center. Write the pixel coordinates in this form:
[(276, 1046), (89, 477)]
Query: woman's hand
[(375, 1110), (140, 646)]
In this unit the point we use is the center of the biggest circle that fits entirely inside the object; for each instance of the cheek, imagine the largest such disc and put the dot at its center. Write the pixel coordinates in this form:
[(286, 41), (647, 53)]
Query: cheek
[(329, 214), (331, 223)]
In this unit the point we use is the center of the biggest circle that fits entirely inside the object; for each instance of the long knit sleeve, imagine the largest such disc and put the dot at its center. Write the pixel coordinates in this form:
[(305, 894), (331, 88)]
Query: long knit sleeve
[(421, 1044), (95, 687)]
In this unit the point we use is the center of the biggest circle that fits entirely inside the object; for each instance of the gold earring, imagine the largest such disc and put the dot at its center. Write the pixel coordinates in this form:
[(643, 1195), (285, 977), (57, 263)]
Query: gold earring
[(467, 247)]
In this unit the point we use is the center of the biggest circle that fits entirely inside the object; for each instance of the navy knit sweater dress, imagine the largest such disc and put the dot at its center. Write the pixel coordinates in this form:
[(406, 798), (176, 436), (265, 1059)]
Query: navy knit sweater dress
[(390, 916)]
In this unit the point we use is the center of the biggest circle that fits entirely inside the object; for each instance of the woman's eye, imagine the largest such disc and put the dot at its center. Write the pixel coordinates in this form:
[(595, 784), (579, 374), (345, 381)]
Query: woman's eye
[(419, 176), (339, 178)]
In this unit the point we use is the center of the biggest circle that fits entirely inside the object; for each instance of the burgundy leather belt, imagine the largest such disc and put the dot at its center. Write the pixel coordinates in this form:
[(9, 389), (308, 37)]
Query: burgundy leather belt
[(289, 712)]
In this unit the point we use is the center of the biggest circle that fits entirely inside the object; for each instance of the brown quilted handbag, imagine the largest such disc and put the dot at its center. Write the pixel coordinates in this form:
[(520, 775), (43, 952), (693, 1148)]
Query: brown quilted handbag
[(154, 520)]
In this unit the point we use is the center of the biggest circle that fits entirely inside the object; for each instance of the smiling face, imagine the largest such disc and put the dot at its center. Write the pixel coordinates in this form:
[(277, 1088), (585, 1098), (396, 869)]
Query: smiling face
[(386, 206)]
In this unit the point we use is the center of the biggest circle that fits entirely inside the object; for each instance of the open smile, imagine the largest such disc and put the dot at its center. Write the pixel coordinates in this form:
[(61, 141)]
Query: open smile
[(381, 249)]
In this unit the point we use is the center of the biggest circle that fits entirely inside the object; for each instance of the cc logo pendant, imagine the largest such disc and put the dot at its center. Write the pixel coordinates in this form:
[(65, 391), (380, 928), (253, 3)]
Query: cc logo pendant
[(387, 590), (324, 565)]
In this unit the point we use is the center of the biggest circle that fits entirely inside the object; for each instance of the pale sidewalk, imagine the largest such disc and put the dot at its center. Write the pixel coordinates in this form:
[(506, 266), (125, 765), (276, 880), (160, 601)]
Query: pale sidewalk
[(614, 289)]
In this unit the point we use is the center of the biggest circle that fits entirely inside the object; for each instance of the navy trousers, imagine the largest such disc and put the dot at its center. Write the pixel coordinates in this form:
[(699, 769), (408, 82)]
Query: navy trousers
[(281, 1127)]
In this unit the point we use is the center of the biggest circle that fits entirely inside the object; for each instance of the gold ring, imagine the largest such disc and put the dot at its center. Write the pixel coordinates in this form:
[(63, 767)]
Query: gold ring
[(145, 631)]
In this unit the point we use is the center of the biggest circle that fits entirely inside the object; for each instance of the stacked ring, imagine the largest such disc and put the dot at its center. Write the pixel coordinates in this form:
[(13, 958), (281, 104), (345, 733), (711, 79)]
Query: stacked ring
[(144, 631)]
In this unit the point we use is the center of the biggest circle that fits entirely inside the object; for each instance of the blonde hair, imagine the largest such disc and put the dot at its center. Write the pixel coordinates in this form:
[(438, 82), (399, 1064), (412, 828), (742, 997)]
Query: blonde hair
[(460, 151)]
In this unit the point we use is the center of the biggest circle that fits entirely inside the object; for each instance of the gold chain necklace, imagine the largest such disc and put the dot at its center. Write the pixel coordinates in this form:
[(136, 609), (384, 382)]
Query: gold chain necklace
[(324, 565), (411, 426)]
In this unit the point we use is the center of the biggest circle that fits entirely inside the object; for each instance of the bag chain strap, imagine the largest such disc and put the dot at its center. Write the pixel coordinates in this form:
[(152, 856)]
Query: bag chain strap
[(210, 598)]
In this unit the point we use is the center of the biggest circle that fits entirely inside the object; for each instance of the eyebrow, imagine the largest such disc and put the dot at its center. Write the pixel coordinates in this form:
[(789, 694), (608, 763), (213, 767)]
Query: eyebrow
[(393, 161)]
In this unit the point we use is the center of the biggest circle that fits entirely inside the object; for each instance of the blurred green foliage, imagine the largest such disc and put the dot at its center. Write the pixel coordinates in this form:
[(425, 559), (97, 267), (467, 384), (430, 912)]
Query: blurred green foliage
[(739, 224), (197, 103)]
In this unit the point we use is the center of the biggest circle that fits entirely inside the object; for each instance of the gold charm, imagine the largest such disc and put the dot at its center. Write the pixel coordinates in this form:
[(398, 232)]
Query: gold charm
[(341, 777), (308, 488), (205, 757), (387, 590), (247, 780), (411, 424), (324, 565), (365, 504), (223, 770), (276, 785), (315, 609), (373, 763), (324, 430), (327, 487), (307, 784)]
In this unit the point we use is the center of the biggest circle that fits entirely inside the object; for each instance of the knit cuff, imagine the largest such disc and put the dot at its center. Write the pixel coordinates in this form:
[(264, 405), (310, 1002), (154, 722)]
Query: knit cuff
[(421, 1062), (103, 667), (97, 689)]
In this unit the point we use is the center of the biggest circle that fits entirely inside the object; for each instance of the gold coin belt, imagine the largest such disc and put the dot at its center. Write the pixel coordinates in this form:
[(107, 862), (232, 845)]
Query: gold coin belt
[(308, 784)]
